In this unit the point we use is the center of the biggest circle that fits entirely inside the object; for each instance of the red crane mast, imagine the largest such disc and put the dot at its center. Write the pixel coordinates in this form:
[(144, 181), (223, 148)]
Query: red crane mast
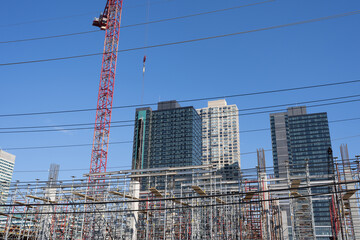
[(109, 21)]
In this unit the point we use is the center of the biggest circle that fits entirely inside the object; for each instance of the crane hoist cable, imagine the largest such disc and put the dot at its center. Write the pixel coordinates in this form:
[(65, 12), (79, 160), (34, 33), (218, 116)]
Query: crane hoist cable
[(145, 44)]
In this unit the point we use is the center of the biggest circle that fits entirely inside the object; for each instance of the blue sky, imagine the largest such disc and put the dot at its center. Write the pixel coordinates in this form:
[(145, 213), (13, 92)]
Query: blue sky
[(308, 54)]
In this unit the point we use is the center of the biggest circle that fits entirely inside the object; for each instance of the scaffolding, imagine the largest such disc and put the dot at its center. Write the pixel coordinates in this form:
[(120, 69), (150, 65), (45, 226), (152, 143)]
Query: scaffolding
[(176, 203), (345, 202)]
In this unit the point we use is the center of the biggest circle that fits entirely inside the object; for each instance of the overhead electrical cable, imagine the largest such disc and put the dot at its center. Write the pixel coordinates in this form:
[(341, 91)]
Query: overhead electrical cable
[(49, 37), (88, 144), (190, 40), (46, 19), (271, 91), (244, 172), (69, 170), (254, 169), (183, 198), (55, 128), (267, 129), (127, 142), (130, 121), (321, 194), (135, 24), (309, 106), (197, 14), (61, 129), (337, 139), (63, 146), (74, 15), (298, 103), (189, 197), (60, 125), (189, 100)]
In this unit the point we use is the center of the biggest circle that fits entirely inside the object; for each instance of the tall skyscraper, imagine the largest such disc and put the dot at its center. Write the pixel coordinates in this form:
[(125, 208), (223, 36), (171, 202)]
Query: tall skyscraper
[(220, 136), (167, 137), (298, 138), (7, 162)]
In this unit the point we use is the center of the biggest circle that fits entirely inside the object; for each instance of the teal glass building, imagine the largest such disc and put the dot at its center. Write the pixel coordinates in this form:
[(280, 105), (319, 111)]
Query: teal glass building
[(167, 137)]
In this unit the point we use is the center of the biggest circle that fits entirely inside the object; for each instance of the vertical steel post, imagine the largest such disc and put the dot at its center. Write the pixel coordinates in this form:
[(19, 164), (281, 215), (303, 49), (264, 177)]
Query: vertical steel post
[(291, 202), (310, 197)]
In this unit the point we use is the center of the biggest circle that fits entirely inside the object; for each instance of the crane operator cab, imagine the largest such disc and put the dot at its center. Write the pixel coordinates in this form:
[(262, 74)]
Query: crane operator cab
[(100, 22)]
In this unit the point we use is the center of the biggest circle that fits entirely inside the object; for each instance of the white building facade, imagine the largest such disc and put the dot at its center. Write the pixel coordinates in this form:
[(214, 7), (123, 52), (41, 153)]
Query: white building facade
[(7, 162), (220, 135)]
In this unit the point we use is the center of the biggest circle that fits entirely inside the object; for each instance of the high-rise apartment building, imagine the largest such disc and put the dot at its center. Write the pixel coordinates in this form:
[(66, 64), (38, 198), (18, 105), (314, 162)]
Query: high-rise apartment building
[(220, 136), (167, 137), (7, 162), (299, 138)]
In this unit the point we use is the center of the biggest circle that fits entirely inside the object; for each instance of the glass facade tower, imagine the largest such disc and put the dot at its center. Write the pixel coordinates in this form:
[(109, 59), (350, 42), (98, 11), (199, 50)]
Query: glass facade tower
[(167, 137), (298, 137)]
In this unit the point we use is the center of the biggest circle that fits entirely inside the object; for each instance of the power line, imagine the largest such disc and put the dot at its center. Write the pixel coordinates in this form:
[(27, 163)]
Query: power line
[(60, 125), (267, 129), (337, 139), (62, 146), (268, 168), (124, 121), (69, 170), (255, 170), (190, 40), (136, 24), (179, 198), (50, 37), (57, 130), (243, 171), (16, 185), (299, 103), (342, 120), (317, 105), (45, 20), (272, 91), (120, 167), (74, 15), (87, 144), (199, 14), (190, 100), (162, 208), (242, 114), (123, 142), (190, 197)]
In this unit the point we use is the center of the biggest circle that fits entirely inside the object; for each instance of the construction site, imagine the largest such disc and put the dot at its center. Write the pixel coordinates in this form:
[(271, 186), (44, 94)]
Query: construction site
[(185, 202), (181, 203)]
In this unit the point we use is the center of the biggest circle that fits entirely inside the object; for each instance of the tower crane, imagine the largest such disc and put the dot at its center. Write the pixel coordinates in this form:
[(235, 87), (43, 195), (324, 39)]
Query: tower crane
[(109, 21)]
